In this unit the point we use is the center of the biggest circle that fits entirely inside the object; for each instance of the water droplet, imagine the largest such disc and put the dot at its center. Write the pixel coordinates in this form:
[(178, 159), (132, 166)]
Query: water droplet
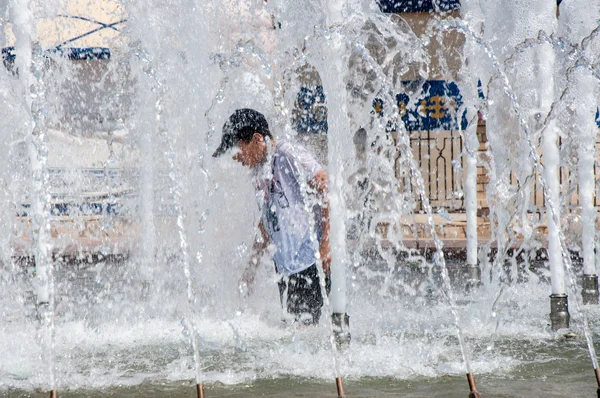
[(444, 213)]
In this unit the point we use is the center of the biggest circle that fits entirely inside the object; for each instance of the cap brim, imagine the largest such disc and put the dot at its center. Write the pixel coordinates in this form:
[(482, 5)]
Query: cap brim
[(226, 144), (220, 150)]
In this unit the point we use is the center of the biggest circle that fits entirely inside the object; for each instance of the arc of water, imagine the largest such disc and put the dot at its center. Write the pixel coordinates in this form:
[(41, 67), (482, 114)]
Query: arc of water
[(507, 87), (337, 303), (578, 60), (338, 126), (575, 25), (404, 146), (159, 92)]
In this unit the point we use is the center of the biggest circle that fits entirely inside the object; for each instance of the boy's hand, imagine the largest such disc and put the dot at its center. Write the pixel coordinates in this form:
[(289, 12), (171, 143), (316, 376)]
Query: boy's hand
[(246, 282)]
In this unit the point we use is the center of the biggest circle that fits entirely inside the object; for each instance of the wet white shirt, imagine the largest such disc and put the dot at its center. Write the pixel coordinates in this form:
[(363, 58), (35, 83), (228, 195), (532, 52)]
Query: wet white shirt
[(289, 212)]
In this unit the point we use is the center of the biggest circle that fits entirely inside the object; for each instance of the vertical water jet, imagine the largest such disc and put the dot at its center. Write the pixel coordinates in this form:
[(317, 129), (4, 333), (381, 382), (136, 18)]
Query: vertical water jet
[(470, 72), (532, 72), (338, 127), (582, 96), (29, 64), (544, 62)]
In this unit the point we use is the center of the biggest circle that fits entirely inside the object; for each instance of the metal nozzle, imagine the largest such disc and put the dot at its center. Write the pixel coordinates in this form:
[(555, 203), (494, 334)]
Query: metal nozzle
[(341, 329), (200, 390), (340, 387), (589, 289), (473, 393), (559, 311), (472, 276)]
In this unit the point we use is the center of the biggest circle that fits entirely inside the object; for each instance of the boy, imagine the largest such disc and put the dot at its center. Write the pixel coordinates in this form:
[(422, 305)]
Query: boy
[(291, 189)]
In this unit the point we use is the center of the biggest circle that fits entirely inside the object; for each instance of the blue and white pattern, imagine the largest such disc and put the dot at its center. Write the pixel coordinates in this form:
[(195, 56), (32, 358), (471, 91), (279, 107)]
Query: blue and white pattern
[(429, 105), (310, 102), (393, 6)]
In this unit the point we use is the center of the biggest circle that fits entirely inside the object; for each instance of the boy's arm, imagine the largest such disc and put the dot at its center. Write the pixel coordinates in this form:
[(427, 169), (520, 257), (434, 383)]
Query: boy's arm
[(261, 242), (320, 183)]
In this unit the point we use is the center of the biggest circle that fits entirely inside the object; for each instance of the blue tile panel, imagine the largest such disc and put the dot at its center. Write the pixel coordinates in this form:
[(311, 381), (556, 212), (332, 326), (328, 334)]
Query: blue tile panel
[(84, 209), (91, 197), (427, 105), (73, 53), (310, 102), (393, 6), (126, 208)]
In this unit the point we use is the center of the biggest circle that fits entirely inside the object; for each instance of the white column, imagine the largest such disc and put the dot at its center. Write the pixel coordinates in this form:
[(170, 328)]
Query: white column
[(24, 28), (147, 133), (551, 158), (531, 74), (551, 162), (470, 73), (575, 25), (338, 134), (471, 145), (23, 25)]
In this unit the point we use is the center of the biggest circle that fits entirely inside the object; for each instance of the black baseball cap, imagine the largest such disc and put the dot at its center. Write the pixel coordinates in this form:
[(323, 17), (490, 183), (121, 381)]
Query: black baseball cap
[(241, 126)]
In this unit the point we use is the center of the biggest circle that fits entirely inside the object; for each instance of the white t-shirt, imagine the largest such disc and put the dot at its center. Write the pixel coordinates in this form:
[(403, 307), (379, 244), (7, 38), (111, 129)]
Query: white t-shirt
[(288, 206)]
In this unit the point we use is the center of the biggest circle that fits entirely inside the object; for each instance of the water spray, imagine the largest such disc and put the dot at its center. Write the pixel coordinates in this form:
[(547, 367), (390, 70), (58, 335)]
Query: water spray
[(29, 65), (159, 91), (576, 26), (405, 148), (338, 126), (538, 165), (337, 99)]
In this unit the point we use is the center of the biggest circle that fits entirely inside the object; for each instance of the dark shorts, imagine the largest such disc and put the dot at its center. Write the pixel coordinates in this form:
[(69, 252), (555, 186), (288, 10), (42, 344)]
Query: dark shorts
[(301, 293)]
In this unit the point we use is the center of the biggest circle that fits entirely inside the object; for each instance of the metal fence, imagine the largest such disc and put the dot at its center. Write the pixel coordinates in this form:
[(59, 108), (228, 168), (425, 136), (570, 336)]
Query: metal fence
[(438, 154)]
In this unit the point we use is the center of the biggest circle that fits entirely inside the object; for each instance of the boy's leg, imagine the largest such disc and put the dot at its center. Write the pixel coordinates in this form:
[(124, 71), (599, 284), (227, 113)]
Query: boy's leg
[(304, 295), (282, 285)]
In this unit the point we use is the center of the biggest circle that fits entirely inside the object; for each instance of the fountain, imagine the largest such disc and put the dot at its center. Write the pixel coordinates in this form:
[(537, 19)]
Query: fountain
[(460, 143)]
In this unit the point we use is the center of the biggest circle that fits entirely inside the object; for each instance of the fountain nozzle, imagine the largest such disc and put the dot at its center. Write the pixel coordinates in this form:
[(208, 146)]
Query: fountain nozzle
[(340, 387), (53, 394), (559, 311), (597, 372), (472, 276), (589, 289), (473, 390), (341, 329), (200, 390)]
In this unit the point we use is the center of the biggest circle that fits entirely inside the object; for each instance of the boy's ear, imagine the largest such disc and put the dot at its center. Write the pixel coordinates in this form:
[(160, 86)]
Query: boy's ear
[(257, 137)]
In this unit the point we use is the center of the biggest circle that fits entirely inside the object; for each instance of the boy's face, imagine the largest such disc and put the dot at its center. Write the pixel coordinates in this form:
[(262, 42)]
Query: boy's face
[(253, 152)]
